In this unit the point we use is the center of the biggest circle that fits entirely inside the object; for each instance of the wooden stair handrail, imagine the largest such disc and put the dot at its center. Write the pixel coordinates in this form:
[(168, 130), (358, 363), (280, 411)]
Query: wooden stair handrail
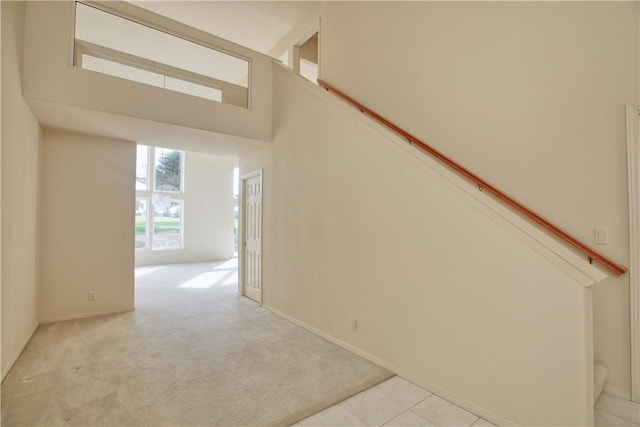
[(592, 255)]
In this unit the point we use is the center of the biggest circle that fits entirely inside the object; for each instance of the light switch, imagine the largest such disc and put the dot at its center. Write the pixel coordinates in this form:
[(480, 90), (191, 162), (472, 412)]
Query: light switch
[(602, 236)]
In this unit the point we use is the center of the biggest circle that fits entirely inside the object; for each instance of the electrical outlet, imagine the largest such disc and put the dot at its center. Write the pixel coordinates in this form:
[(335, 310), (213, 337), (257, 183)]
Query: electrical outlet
[(354, 323), (92, 295)]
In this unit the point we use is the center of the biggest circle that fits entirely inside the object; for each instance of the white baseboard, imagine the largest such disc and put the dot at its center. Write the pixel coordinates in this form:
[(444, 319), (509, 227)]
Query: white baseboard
[(14, 357), (84, 315), (615, 390), (463, 403)]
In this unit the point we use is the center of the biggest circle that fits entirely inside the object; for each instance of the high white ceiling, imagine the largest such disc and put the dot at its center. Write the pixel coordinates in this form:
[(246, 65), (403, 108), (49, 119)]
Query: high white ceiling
[(258, 25)]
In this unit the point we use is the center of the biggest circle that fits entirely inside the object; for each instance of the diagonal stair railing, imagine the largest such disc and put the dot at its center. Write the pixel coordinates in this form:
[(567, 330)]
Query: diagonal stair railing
[(484, 186)]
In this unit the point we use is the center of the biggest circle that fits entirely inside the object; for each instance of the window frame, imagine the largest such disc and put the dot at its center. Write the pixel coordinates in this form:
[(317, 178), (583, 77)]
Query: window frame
[(146, 229), (153, 170), (148, 170), (147, 194), (152, 246), (229, 91), (82, 48)]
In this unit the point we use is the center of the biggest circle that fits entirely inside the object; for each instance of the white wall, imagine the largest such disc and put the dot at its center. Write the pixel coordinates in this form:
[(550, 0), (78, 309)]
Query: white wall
[(529, 95), (446, 291), (20, 151), (208, 212), (86, 225), (1, 73)]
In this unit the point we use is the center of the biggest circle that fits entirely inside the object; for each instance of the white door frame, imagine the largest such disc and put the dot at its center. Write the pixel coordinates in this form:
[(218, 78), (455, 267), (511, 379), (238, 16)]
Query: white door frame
[(241, 228), (633, 169)]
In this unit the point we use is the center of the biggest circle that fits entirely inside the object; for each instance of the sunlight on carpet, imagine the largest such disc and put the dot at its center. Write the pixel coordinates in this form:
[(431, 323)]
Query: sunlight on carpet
[(192, 353)]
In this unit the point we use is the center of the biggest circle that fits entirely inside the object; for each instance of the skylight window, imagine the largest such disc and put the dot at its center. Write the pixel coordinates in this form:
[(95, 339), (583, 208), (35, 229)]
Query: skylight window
[(109, 44)]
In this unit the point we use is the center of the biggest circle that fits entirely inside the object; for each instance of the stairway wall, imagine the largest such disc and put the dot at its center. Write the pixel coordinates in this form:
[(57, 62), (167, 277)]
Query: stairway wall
[(528, 95), (445, 290)]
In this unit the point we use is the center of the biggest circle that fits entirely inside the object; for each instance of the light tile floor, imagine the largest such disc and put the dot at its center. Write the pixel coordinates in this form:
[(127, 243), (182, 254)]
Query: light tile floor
[(614, 411), (397, 402)]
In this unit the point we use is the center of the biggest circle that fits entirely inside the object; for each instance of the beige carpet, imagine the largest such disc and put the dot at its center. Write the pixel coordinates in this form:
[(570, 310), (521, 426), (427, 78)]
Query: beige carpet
[(192, 354)]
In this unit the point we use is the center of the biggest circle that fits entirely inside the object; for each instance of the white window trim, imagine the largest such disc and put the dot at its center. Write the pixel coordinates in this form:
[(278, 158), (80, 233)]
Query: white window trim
[(152, 248), (230, 91), (147, 227), (148, 195), (82, 47), (152, 169)]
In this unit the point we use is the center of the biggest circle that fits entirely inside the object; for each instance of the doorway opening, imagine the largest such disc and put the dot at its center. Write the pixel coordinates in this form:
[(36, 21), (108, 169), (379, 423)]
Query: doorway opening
[(308, 59), (303, 55)]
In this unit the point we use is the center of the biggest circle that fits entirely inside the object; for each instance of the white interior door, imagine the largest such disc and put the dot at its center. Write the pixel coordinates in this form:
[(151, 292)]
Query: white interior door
[(252, 259)]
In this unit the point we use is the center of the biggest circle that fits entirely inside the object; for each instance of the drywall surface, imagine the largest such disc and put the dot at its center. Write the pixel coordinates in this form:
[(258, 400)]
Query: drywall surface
[(1, 365), (528, 95), (49, 77), (86, 225), (83, 120), (20, 151), (208, 212), (356, 226)]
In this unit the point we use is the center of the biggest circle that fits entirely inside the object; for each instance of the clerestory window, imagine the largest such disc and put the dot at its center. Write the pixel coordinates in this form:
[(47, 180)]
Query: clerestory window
[(118, 46)]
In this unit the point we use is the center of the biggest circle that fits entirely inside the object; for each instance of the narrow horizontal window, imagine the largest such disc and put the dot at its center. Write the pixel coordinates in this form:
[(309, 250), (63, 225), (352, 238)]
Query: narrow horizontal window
[(128, 72), (110, 44), (120, 70), (194, 89)]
